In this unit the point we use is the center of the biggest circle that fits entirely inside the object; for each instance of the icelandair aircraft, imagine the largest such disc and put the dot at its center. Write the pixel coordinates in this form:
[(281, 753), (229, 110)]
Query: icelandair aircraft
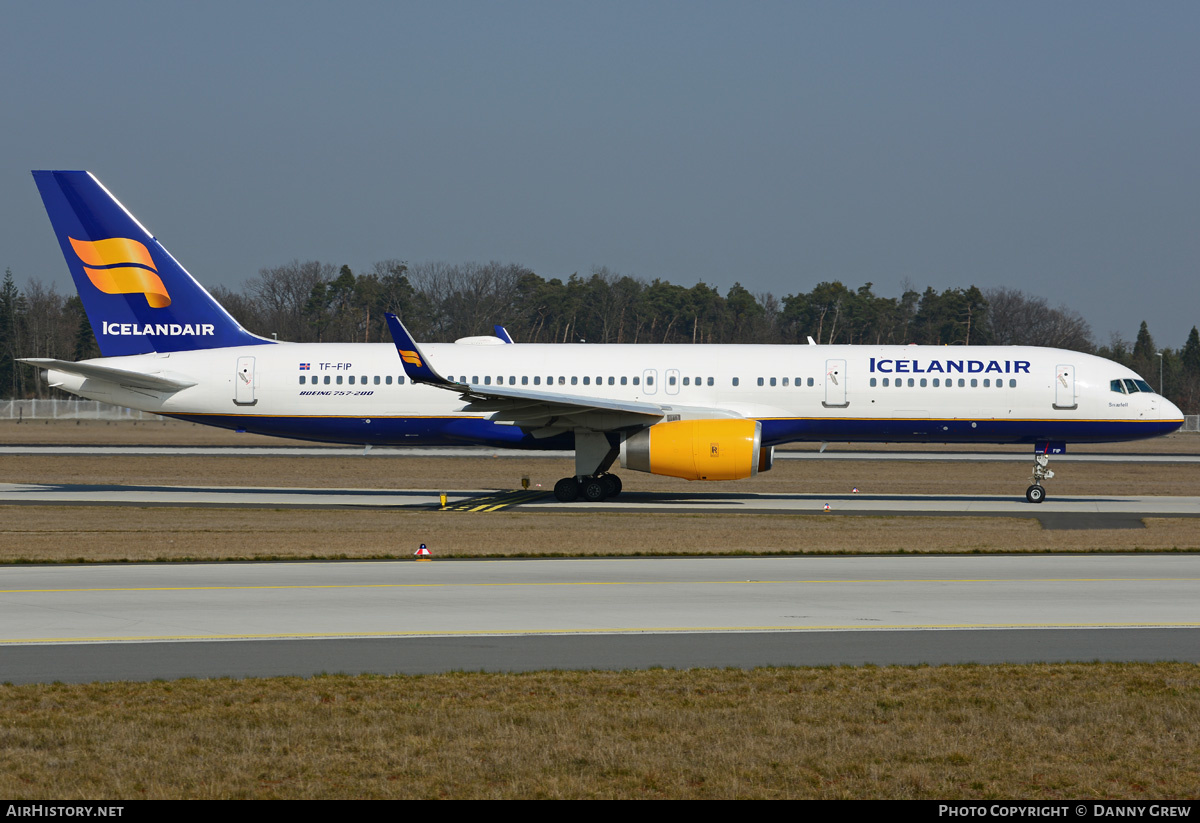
[(697, 412)]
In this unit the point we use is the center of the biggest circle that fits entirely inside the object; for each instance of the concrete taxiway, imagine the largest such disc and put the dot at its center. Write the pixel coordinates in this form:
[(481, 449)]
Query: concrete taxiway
[(171, 620), (1095, 511)]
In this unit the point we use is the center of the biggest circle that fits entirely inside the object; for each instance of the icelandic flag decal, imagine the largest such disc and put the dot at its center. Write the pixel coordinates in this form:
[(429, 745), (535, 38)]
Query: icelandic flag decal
[(305, 367)]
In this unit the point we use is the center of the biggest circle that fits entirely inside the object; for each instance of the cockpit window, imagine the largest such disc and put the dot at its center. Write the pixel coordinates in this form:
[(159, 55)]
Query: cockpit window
[(1144, 386), (1117, 386), (1131, 387)]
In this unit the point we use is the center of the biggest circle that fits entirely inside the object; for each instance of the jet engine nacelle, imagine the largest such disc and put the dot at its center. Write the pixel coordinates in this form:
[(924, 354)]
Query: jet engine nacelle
[(723, 449)]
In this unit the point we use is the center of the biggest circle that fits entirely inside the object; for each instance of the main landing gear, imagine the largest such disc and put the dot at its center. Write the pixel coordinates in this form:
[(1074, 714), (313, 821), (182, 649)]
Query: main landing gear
[(590, 489), (1041, 471), (594, 454)]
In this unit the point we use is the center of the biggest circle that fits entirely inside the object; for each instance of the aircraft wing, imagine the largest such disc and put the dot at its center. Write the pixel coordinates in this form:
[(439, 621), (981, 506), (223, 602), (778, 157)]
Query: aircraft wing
[(122, 377), (544, 413)]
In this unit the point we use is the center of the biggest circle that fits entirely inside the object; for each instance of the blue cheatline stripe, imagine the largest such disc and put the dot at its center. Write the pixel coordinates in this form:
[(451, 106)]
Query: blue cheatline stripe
[(459, 431)]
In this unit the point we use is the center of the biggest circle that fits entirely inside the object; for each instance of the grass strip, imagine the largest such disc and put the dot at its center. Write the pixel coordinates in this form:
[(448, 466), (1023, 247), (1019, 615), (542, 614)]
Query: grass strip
[(1031, 731)]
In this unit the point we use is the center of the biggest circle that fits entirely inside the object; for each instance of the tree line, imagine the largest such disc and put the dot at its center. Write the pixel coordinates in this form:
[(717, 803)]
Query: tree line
[(321, 302)]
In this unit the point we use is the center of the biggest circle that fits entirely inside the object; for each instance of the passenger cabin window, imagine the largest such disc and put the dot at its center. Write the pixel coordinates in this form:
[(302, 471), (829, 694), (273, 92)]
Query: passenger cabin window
[(635, 380), (810, 381), (735, 381), (760, 381), (710, 381)]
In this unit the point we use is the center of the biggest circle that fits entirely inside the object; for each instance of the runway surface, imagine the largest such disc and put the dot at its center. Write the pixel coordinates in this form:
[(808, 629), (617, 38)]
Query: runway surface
[(1096, 511), (78, 623)]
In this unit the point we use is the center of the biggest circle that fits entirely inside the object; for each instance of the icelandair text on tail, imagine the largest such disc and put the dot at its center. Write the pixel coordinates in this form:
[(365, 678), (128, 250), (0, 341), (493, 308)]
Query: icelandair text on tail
[(159, 329)]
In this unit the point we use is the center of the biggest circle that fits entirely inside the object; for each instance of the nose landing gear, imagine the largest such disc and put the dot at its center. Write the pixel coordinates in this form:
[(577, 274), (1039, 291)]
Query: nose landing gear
[(1041, 471)]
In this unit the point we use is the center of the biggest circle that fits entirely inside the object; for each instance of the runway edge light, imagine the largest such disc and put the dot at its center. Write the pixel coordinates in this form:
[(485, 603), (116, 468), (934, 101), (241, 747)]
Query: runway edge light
[(422, 554)]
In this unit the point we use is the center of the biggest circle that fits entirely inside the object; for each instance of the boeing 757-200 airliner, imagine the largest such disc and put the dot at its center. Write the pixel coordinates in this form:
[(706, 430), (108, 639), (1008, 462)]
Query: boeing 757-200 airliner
[(697, 412)]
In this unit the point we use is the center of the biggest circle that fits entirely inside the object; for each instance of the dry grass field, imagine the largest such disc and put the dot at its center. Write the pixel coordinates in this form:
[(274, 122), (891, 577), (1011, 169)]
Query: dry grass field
[(109, 533), (1049, 732)]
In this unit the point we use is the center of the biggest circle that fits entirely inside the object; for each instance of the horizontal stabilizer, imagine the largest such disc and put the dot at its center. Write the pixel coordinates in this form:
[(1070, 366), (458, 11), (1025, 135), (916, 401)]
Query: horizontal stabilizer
[(122, 377)]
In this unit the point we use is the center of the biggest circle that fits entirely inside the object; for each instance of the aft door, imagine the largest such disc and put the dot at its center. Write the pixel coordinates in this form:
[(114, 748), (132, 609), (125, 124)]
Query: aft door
[(1064, 387), (835, 384), (243, 382)]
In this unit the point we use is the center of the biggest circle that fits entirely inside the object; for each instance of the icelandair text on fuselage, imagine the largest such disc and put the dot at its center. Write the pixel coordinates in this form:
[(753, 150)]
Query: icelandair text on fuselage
[(159, 329), (40, 810), (950, 366), (1080, 810)]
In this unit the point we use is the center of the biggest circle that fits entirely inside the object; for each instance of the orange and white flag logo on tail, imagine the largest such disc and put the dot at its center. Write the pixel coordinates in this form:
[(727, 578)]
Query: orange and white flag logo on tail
[(120, 265), (410, 357)]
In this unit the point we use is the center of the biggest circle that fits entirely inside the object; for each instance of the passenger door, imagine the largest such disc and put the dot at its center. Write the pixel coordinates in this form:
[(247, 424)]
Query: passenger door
[(1064, 387), (835, 384), (243, 382)]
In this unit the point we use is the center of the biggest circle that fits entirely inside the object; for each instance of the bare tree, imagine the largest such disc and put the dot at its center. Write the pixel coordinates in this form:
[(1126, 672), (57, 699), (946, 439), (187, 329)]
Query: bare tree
[(1019, 319)]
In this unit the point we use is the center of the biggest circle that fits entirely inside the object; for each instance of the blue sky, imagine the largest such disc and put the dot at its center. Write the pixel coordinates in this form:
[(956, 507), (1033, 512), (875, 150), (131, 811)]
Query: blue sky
[(1050, 147)]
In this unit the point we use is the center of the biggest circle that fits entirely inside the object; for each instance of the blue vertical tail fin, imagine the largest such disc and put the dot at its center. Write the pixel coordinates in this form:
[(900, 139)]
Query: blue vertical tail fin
[(136, 295)]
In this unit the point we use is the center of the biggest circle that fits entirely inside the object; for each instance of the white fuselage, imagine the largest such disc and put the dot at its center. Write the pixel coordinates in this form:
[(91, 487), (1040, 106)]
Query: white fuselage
[(358, 393)]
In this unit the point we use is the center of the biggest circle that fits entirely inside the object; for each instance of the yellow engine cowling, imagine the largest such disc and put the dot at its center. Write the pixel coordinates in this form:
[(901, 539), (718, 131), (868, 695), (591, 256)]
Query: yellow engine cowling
[(725, 449)]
